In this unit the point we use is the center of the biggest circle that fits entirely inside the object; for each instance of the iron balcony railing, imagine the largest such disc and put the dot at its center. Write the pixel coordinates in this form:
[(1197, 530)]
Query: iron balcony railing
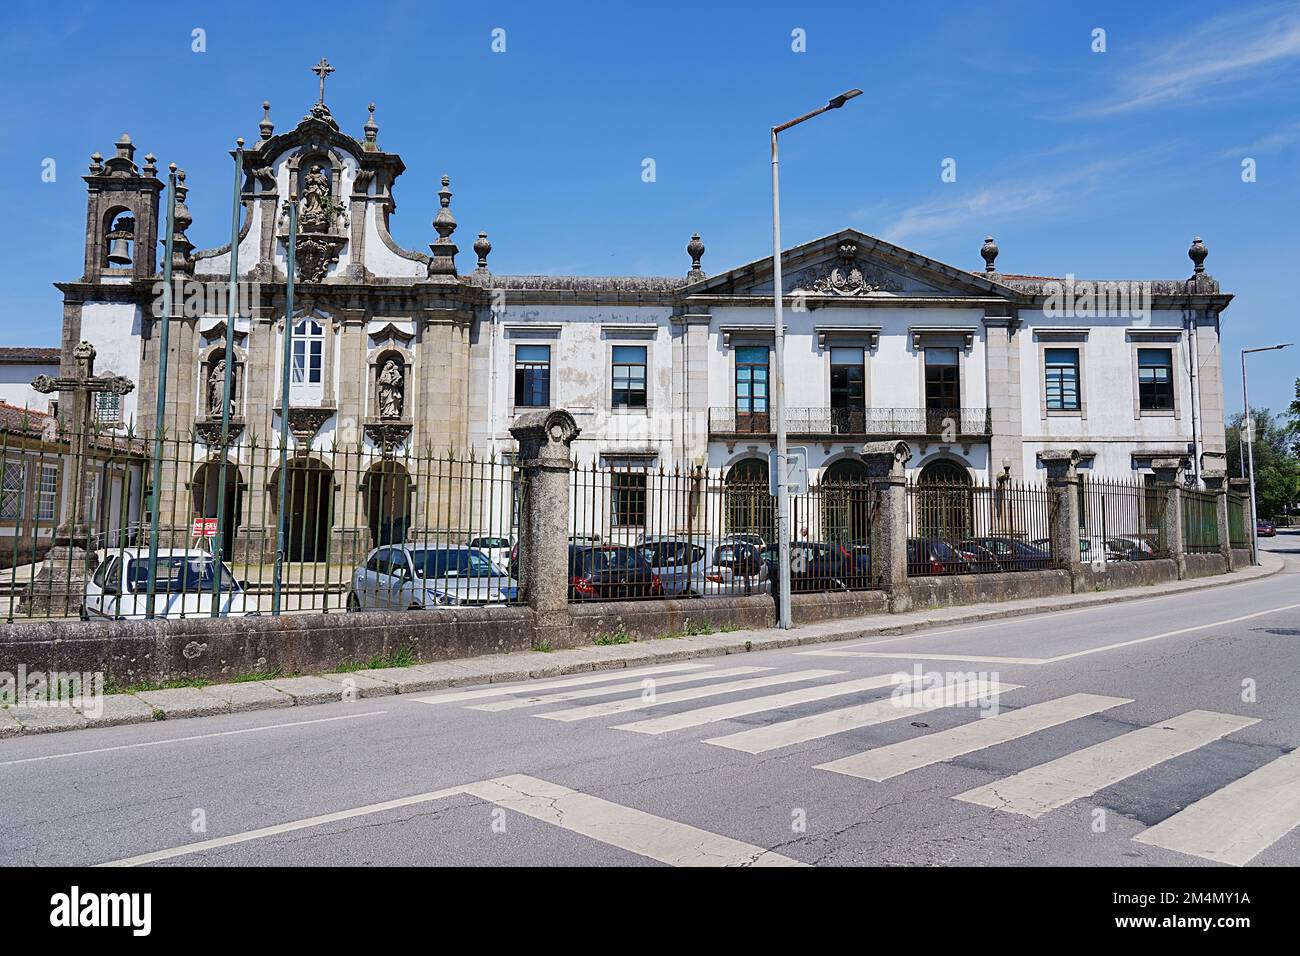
[(857, 422)]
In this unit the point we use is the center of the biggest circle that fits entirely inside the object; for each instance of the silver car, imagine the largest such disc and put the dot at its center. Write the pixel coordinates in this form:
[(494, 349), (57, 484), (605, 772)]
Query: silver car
[(691, 567), (184, 581), (410, 577)]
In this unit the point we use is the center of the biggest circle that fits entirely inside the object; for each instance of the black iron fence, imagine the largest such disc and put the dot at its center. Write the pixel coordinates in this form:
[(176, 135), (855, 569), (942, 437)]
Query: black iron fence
[(1121, 520), (351, 527), (965, 528), (1238, 535), (863, 421), (1200, 517)]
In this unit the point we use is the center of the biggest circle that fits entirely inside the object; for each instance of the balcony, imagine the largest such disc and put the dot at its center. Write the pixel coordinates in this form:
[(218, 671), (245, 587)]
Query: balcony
[(953, 424)]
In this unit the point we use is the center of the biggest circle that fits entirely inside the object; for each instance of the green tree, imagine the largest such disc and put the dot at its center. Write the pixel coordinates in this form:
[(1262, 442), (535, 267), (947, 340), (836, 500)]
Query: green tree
[(1277, 466)]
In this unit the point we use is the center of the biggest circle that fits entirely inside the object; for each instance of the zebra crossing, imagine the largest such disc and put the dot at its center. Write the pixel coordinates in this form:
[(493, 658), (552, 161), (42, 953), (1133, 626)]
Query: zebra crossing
[(1232, 824)]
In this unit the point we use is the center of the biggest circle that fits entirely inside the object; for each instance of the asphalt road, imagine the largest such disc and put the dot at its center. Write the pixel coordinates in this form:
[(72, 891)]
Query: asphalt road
[(1159, 731)]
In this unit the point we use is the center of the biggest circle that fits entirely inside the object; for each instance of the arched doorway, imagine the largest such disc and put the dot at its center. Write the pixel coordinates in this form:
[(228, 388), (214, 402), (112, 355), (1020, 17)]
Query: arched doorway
[(750, 508), (386, 491), (205, 500), (309, 504), (944, 505), (845, 502)]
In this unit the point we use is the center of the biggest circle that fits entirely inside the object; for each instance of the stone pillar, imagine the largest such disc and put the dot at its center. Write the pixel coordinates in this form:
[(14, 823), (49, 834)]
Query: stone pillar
[(1169, 476), (886, 463), (544, 438), (1063, 509), (1216, 482), (1002, 371), (1241, 488)]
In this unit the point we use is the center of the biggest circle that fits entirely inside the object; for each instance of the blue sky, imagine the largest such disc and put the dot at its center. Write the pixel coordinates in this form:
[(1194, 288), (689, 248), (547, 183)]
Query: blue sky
[(1097, 164)]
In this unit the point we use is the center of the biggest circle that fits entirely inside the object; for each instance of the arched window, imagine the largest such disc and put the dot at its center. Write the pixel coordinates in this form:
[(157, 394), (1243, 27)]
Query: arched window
[(307, 381), (944, 505), (750, 506), (119, 239), (846, 502)]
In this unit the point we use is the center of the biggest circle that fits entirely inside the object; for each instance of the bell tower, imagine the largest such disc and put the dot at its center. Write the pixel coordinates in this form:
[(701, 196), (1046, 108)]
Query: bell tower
[(121, 215)]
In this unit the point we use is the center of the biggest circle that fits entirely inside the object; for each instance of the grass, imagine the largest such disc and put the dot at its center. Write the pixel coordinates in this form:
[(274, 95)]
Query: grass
[(689, 630), (544, 648), (113, 687), (404, 657), (606, 640)]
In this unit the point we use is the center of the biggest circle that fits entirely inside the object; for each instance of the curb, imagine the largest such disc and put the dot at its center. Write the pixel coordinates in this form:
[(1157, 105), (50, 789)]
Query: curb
[(216, 699)]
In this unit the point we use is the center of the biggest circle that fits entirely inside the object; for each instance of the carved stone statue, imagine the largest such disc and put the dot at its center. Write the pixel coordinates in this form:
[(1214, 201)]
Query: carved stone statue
[(217, 389), (391, 390), (315, 214)]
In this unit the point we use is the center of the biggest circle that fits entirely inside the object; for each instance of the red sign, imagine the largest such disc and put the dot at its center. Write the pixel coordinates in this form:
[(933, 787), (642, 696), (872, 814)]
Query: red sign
[(205, 527)]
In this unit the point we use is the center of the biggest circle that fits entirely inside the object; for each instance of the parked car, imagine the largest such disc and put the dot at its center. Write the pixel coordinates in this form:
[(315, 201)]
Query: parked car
[(743, 537), (1088, 547), (610, 572), (693, 568), (1009, 554), (814, 566), (934, 556), (858, 556), (1126, 548), (498, 548), (404, 577), (184, 579), (1265, 529)]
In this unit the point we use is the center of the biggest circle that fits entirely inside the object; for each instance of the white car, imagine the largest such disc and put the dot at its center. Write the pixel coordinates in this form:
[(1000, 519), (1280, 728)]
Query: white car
[(410, 578), (119, 588), (496, 546)]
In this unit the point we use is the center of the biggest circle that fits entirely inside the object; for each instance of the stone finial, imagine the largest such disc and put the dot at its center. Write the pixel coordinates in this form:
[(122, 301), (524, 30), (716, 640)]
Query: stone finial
[(695, 249), (96, 163), (444, 223), (482, 247), (989, 252), (125, 148), (266, 127), (544, 437), (182, 248), (150, 164), (1197, 253), (371, 144)]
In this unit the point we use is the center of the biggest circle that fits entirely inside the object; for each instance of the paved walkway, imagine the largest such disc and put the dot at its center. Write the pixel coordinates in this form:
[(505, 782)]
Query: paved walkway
[(213, 699)]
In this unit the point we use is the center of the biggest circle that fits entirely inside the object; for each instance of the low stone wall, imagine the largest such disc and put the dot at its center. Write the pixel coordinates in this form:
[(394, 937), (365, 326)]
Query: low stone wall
[(1240, 558), (647, 620), (945, 590), (836, 605), (1125, 574), (1205, 565)]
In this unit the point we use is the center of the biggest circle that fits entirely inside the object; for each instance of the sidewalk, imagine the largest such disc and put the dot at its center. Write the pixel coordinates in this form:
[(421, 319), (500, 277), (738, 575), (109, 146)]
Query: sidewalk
[(145, 706)]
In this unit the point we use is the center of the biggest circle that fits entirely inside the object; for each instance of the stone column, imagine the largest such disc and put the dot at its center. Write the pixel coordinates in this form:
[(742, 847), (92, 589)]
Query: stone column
[(1241, 488), (1169, 476), (1063, 509), (544, 438), (1002, 382), (886, 463), (1216, 482)]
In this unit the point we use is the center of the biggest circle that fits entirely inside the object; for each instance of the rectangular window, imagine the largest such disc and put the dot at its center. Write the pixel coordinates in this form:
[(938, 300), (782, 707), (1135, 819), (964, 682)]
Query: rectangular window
[(1061, 373), (532, 376), (848, 390), (48, 493), (942, 380), (751, 388), (13, 484), (1156, 380), (629, 370), (628, 504), (108, 408)]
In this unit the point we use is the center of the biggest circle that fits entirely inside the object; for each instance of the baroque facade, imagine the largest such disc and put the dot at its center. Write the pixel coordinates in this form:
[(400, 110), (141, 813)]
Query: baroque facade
[(396, 350)]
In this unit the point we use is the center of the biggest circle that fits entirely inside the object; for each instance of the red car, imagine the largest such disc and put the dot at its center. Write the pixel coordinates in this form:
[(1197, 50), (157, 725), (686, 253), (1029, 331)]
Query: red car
[(1265, 529)]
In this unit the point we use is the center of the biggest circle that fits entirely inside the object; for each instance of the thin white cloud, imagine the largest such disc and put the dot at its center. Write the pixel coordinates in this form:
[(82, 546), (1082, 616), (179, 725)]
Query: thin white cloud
[(1271, 143), (1224, 50)]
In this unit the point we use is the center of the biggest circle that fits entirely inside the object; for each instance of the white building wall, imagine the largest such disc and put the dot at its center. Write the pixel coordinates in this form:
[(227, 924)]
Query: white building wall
[(114, 329), (16, 385)]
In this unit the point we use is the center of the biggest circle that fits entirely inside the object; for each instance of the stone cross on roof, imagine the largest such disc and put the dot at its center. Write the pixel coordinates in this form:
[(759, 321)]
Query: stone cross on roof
[(322, 69)]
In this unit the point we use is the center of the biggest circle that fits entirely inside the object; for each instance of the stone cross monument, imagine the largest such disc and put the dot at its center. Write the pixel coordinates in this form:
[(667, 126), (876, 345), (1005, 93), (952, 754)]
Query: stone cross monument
[(58, 586)]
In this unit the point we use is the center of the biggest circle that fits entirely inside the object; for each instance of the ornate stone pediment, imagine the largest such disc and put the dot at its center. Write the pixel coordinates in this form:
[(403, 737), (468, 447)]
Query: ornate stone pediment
[(847, 276), (388, 436), (209, 430), (306, 422)]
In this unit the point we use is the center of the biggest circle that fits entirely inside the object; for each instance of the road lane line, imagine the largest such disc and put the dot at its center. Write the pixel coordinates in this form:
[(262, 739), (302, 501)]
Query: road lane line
[(694, 693), (677, 844), (881, 763), (514, 703), (802, 729), (1237, 822), (500, 690), (756, 705), (972, 659), (1038, 790), (179, 740), (1181, 630)]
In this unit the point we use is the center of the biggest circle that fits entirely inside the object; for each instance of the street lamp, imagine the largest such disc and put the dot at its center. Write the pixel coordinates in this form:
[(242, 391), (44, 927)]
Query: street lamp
[(1248, 428), (778, 383)]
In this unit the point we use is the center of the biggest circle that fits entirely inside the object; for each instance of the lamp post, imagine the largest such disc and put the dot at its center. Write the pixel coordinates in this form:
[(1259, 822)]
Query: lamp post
[(778, 378), (1249, 423)]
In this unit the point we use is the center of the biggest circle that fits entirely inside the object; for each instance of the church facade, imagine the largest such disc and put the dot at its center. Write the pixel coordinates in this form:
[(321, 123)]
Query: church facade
[(399, 351)]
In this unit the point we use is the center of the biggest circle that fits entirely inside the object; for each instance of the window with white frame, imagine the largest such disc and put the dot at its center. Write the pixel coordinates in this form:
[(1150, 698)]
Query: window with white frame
[(13, 484), (47, 493), (108, 408), (307, 375)]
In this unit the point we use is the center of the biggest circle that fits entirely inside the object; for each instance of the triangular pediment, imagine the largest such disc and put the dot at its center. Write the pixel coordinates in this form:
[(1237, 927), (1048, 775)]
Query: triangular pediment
[(851, 264)]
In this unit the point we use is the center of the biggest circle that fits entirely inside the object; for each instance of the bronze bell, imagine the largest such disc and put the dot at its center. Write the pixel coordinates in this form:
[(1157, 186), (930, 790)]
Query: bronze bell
[(119, 252)]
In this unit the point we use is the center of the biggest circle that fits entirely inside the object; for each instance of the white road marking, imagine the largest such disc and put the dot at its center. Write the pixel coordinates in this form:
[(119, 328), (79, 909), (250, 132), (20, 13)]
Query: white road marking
[(501, 690), (755, 705), (801, 729), (1181, 630), (180, 740), (1237, 822), (881, 763), (514, 703), (644, 834), (971, 659), (694, 693), (1043, 788)]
